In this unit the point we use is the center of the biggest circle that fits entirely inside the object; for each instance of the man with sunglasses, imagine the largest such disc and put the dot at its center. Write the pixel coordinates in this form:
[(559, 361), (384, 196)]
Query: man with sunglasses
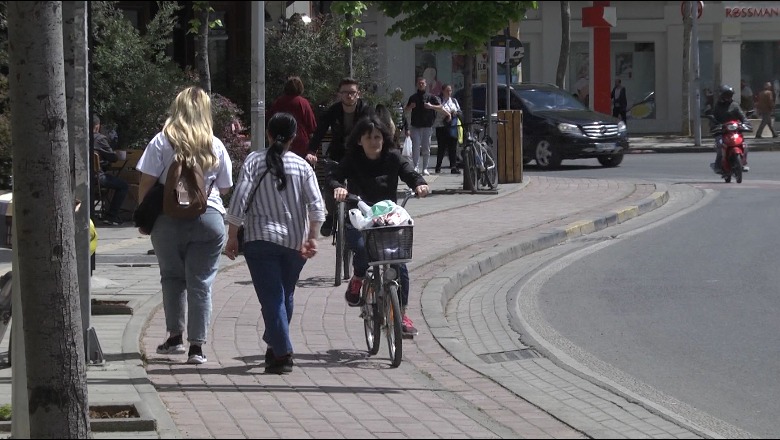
[(339, 118)]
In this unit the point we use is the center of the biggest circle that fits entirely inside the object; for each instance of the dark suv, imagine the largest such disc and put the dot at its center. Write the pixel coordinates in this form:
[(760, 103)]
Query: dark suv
[(557, 126)]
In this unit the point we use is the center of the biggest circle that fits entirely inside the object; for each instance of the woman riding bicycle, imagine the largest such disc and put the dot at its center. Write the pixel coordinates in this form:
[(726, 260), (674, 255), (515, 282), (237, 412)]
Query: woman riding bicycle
[(372, 168)]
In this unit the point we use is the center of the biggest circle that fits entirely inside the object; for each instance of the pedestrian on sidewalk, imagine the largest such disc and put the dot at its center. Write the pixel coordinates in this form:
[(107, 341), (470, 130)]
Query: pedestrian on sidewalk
[(765, 108), (446, 119), (619, 101), (423, 107), (277, 199), (293, 102), (372, 169), (188, 250)]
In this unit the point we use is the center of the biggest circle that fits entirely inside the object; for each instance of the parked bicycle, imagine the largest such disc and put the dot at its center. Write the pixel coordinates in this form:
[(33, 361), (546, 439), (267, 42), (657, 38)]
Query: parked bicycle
[(343, 254), (387, 246), (479, 157)]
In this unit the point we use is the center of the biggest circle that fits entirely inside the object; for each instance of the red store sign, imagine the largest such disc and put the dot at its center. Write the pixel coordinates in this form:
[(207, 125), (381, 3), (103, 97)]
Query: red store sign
[(752, 11)]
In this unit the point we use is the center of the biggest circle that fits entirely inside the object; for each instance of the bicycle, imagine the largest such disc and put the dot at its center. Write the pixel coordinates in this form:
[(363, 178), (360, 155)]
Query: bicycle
[(343, 254), (479, 159), (387, 246)]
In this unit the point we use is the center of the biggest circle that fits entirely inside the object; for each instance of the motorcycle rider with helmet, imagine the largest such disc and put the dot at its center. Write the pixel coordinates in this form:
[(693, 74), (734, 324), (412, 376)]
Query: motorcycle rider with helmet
[(723, 111)]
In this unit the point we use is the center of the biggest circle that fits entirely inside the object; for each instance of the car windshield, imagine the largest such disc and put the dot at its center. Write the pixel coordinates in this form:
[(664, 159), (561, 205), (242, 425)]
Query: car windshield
[(550, 100)]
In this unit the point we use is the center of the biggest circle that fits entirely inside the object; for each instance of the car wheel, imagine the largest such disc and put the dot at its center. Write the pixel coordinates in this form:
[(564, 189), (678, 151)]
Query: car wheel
[(546, 156), (612, 160)]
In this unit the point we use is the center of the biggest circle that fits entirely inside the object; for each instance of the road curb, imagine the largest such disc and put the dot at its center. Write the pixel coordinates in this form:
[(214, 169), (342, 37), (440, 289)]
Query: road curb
[(440, 290)]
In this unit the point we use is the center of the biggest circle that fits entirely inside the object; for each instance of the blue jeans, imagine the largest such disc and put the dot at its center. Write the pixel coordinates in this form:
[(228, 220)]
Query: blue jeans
[(120, 188), (188, 254), (357, 244), (275, 270)]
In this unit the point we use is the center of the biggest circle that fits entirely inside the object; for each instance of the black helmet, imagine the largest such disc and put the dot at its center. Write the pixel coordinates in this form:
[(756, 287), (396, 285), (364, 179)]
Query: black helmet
[(726, 93)]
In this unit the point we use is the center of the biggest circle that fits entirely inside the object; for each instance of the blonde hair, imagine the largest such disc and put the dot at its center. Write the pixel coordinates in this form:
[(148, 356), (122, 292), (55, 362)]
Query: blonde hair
[(189, 128)]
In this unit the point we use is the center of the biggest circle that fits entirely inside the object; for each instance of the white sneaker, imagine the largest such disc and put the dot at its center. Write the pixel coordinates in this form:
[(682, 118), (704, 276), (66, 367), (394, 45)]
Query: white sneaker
[(426, 173), (745, 168), (196, 359)]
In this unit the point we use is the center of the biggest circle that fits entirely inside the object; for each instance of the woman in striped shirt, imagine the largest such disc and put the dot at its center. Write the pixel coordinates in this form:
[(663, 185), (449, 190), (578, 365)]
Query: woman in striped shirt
[(278, 201)]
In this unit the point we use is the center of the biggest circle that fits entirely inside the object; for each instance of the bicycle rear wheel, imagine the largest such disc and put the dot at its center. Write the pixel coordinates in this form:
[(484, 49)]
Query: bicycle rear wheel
[(372, 325), (393, 325), (491, 168), (469, 169)]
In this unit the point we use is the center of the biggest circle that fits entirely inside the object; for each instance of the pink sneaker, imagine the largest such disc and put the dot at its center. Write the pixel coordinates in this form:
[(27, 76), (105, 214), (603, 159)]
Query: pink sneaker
[(407, 327)]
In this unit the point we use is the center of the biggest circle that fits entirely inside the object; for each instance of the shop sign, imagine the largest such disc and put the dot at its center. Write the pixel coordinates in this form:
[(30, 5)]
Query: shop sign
[(751, 10)]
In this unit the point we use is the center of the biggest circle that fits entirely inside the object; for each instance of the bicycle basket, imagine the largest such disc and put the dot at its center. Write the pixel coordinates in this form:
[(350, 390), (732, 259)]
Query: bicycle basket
[(389, 244)]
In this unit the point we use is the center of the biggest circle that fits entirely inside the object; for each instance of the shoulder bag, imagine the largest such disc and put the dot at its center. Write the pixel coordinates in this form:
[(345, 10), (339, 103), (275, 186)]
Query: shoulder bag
[(248, 204)]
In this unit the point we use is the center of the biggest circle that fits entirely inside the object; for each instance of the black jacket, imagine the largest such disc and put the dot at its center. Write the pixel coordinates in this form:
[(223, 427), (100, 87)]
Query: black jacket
[(421, 116), (374, 180), (333, 119), (727, 111)]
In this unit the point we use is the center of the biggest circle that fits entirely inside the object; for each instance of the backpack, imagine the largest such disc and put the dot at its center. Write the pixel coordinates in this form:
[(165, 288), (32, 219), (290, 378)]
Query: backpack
[(184, 197)]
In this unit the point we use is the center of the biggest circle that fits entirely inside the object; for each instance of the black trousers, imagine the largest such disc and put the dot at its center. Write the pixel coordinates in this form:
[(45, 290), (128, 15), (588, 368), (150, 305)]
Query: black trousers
[(448, 145), (619, 113)]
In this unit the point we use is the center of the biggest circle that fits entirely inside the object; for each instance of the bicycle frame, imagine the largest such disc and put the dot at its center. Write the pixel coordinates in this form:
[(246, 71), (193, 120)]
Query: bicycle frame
[(480, 169), (381, 309)]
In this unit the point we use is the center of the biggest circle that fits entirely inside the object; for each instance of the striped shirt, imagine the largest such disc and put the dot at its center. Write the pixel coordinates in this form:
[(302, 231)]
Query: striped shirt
[(280, 217)]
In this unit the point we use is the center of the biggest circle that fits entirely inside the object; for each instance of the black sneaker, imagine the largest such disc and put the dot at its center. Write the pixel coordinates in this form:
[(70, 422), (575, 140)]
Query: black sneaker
[(172, 345), (269, 356), (280, 365), (327, 227), (112, 221), (195, 355)]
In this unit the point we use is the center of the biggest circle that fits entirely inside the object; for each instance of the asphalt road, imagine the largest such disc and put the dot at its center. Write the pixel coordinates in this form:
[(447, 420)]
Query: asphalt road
[(680, 305)]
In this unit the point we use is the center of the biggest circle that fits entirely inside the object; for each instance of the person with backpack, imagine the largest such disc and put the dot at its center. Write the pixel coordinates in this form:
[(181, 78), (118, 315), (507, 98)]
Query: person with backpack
[(191, 167), (278, 200)]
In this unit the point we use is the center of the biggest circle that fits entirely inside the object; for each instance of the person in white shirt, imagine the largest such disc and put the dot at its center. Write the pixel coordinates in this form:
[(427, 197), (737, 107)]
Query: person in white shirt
[(188, 250), (446, 118)]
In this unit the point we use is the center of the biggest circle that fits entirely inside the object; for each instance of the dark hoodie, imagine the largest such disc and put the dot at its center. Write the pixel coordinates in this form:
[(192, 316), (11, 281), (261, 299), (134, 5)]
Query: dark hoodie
[(374, 180)]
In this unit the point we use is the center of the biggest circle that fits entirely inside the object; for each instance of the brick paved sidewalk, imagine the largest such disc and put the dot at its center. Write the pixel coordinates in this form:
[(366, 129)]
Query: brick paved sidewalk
[(336, 390)]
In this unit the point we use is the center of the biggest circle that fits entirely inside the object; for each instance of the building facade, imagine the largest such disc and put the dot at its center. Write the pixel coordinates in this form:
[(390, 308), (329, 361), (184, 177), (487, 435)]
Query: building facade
[(737, 41)]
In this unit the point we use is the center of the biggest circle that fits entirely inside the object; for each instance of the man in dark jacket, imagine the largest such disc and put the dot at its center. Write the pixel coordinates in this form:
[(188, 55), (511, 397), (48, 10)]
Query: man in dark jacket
[(108, 180), (726, 110), (339, 118), (422, 107), (619, 101)]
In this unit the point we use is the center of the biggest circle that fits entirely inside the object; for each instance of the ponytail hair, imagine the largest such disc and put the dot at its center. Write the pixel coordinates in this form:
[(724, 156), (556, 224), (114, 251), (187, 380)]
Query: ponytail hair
[(281, 128)]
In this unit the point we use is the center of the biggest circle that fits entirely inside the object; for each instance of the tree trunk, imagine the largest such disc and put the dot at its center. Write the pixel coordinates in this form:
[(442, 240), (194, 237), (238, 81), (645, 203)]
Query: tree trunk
[(686, 129), (43, 212), (203, 48), (563, 59), (349, 53)]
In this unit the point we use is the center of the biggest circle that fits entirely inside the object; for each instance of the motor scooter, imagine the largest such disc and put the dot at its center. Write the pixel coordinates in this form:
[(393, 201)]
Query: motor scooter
[(734, 149)]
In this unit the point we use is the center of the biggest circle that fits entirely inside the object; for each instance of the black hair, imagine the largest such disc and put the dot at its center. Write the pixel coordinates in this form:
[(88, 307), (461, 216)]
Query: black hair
[(282, 128), (366, 125)]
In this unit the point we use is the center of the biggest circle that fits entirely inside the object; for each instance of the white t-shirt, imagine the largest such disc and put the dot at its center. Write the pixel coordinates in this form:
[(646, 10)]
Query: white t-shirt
[(158, 157)]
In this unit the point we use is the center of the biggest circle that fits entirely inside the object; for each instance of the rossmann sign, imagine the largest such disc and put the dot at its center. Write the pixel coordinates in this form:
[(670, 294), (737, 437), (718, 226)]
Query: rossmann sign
[(742, 10)]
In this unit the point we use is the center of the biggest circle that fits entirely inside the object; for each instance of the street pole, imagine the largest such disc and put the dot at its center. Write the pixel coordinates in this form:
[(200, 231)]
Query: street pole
[(695, 108), (492, 90), (258, 75), (507, 68)]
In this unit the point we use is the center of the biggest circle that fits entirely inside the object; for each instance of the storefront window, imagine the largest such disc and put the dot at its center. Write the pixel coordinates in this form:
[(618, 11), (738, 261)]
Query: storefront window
[(446, 67), (760, 64), (634, 65)]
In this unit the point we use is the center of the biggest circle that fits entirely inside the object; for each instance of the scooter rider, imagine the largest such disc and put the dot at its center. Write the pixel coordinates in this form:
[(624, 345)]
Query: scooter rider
[(726, 110)]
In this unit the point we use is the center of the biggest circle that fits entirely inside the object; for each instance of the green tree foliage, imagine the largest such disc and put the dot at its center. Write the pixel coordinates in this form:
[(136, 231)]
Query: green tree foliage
[(307, 51), (459, 26), (133, 79)]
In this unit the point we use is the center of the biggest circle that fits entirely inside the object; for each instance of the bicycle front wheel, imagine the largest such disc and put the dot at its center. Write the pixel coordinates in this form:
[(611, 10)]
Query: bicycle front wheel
[(491, 168), (341, 246), (393, 325), (469, 169), (372, 325)]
